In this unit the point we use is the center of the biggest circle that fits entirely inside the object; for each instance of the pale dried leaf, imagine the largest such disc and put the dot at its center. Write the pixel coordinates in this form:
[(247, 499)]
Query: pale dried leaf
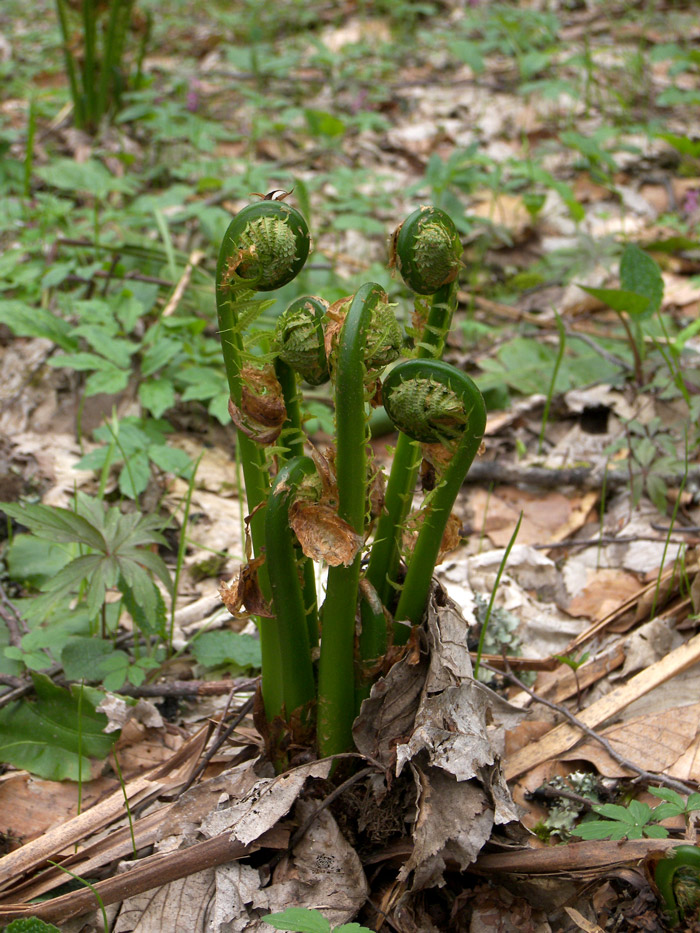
[(323, 534), (263, 805), (454, 821)]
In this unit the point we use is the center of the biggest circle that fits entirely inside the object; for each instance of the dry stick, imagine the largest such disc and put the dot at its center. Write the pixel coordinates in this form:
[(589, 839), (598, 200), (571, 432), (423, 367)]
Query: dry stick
[(495, 471), (195, 258), (218, 741), (650, 776), (190, 688)]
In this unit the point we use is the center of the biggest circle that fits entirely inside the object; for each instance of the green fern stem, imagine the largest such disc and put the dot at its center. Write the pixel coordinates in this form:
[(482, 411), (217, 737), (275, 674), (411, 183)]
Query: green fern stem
[(264, 247), (435, 403), (426, 250), (293, 439), (669, 871), (288, 600), (336, 680)]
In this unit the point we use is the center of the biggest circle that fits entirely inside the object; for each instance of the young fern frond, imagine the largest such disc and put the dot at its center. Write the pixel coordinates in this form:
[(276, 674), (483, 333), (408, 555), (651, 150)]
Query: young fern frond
[(248, 263), (434, 403)]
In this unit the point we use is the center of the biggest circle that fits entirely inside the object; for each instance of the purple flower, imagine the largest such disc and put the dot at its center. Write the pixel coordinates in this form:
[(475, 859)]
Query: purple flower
[(192, 100), (692, 201)]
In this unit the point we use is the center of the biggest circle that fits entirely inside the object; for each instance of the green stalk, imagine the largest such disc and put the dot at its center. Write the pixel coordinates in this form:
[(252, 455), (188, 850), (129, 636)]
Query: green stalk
[(426, 250), (670, 870), (108, 58), (298, 685), (382, 571), (293, 439), (264, 247), (75, 92), (436, 403), (336, 680), (89, 35)]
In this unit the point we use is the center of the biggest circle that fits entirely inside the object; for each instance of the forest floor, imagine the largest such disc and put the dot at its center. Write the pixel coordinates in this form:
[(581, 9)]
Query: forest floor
[(564, 140)]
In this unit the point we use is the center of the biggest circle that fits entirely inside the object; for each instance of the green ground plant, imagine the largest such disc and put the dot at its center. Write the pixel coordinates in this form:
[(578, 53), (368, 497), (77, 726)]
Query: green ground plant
[(95, 40), (323, 506)]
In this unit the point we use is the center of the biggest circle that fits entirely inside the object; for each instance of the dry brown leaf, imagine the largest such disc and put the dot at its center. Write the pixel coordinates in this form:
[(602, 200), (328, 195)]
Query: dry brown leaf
[(605, 590), (323, 535), (244, 592), (654, 743)]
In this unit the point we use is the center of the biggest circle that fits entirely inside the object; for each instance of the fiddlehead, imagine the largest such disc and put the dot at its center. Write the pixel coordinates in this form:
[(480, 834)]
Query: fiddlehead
[(426, 250), (264, 247), (434, 403), (299, 338)]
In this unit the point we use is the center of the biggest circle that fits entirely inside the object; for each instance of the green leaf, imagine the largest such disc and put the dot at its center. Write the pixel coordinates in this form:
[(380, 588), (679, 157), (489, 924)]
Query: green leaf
[(157, 395), (655, 832), (639, 273), (30, 321), (322, 123), (640, 812), (300, 920), (90, 176), (157, 355), (351, 928), (135, 475), (43, 735), (169, 459), (148, 616), (82, 362), (31, 560), (110, 381), (693, 802), (214, 649), (620, 299), (55, 523), (614, 811), (117, 350), (82, 658)]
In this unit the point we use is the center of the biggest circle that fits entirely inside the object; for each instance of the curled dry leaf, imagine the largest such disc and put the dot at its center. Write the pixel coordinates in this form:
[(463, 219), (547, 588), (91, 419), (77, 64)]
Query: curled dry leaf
[(451, 537), (323, 535), (244, 593), (262, 412)]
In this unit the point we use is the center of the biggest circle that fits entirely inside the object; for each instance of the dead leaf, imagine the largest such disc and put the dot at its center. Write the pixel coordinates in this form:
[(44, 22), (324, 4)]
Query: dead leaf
[(322, 534), (244, 592)]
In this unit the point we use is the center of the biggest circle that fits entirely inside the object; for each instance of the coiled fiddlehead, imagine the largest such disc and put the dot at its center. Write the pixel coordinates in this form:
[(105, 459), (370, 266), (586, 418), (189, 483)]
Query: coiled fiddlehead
[(426, 250), (264, 247), (678, 878), (299, 338), (433, 402)]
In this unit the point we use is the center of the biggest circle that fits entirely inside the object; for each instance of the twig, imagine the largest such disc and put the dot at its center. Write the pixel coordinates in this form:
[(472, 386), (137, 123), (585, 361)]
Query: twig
[(209, 754), (189, 688), (650, 776), (495, 471)]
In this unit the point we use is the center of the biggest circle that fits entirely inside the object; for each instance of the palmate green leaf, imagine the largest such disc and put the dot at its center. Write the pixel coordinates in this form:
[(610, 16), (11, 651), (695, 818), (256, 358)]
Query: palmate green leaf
[(43, 735), (55, 524), (150, 622), (110, 381), (31, 560), (614, 811)]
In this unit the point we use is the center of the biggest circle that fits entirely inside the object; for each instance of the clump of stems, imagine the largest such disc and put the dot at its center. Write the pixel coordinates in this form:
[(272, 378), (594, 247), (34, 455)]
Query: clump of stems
[(305, 505)]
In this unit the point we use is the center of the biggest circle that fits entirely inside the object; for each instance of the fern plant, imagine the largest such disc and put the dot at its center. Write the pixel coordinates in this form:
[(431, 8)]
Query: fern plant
[(305, 505)]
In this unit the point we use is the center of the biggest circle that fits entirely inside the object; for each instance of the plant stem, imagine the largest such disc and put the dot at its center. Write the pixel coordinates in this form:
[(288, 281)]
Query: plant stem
[(336, 694), (287, 594), (383, 567)]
